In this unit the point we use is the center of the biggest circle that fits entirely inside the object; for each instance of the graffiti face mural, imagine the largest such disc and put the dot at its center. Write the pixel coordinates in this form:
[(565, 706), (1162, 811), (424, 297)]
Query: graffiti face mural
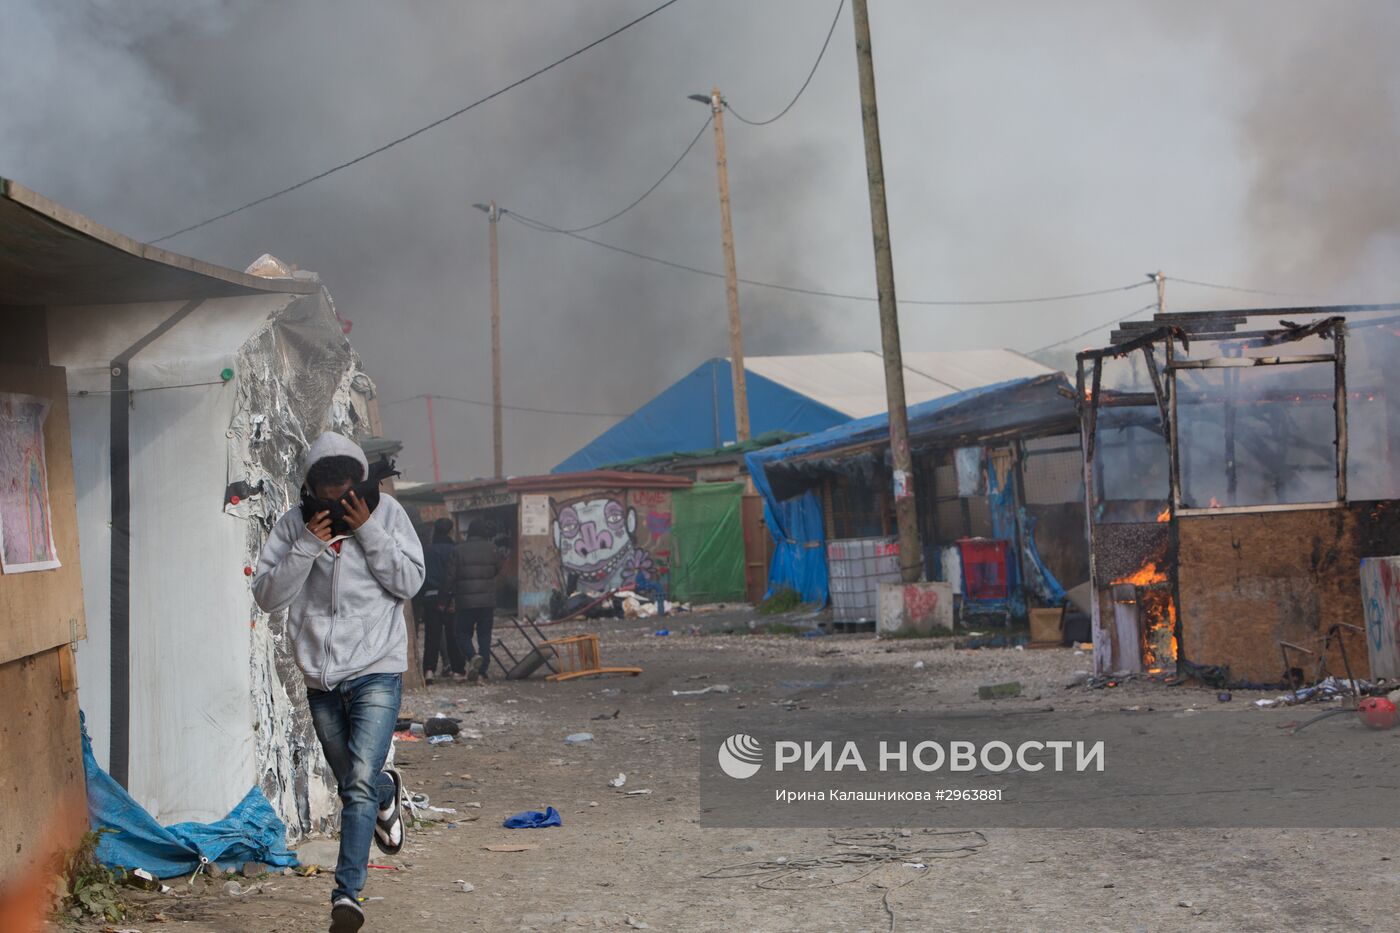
[(595, 540)]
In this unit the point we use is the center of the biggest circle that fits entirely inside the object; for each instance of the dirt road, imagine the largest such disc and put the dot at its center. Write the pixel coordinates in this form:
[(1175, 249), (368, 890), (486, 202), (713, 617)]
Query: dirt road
[(622, 862)]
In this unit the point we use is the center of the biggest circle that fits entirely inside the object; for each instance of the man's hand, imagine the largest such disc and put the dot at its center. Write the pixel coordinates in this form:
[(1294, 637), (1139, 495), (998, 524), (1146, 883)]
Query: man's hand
[(356, 512), (320, 525)]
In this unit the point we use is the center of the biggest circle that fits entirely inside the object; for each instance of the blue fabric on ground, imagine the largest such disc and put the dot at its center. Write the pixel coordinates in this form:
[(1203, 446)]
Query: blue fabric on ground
[(534, 819), (252, 832)]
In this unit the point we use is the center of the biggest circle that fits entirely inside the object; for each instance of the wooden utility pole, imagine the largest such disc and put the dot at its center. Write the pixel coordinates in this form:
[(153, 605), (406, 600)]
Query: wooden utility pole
[(494, 214), (432, 439), (906, 513), (731, 277)]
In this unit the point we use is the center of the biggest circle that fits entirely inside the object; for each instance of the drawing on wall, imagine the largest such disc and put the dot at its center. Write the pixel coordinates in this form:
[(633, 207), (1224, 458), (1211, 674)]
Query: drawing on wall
[(26, 528), (596, 540)]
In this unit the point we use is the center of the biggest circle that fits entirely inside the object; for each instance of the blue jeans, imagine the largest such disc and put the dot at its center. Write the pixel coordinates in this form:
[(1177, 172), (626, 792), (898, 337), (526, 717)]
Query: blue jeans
[(355, 723)]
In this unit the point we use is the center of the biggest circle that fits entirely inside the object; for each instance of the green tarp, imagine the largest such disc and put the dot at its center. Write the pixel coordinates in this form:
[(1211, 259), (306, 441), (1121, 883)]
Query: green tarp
[(707, 539)]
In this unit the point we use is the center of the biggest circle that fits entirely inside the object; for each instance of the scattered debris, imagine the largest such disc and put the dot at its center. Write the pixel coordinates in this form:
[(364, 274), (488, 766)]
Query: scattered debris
[(618, 781), (534, 819), (638, 793), (1378, 713), (1330, 689), (716, 688), (578, 738), (999, 691), (636, 924), (442, 725), (603, 716), (441, 739), (918, 665), (510, 848), (466, 887)]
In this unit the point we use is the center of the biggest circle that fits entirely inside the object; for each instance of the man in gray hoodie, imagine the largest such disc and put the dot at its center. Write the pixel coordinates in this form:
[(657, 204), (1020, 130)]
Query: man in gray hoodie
[(343, 573)]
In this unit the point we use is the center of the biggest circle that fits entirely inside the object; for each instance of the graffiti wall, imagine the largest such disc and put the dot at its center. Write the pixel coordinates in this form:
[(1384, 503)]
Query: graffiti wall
[(600, 540), (1380, 595)]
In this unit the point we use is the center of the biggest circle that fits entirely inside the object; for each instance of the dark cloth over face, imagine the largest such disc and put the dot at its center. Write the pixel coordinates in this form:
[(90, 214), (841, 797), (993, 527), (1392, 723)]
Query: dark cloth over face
[(367, 490)]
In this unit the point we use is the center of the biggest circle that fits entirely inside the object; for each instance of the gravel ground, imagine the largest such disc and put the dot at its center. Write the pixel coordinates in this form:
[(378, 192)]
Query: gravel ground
[(625, 862)]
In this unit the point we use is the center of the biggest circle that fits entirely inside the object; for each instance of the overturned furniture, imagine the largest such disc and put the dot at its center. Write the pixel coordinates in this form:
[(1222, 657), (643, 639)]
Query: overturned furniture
[(567, 658)]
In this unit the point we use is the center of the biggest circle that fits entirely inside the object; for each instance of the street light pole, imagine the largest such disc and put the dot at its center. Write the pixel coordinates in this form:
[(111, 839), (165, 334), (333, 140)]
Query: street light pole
[(731, 274), (906, 513), (493, 213)]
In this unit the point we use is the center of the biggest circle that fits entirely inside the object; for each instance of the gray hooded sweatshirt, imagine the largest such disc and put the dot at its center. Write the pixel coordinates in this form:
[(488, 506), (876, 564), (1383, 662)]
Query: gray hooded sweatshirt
[(345, 615)]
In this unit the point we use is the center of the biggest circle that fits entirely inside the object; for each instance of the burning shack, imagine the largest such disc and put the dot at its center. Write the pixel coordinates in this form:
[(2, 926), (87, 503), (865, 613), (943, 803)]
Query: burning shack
[(1238, 466)]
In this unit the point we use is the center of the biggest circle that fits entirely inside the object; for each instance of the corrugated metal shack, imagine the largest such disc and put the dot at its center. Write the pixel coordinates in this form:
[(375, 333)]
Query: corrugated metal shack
[(1238, 467), (998, 465)]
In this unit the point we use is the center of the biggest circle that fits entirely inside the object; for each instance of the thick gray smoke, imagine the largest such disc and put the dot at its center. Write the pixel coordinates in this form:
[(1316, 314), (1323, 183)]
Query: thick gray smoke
[(1324, 202), (1030, 149)]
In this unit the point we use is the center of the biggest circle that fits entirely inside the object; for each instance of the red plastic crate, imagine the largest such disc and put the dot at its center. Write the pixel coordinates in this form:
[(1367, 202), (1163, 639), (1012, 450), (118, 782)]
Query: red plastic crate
[(984, 568)]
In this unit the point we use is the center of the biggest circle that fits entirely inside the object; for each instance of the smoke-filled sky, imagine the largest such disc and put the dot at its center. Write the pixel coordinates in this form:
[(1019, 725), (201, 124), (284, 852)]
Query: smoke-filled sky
[(1030, 149)]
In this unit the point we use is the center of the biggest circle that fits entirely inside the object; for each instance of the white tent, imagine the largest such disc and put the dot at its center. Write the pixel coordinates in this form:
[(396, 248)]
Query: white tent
[(221, 404), (189, 385)]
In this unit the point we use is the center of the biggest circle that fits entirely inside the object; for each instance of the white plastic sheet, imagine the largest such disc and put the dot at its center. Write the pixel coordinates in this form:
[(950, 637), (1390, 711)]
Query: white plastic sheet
[(216, 705)]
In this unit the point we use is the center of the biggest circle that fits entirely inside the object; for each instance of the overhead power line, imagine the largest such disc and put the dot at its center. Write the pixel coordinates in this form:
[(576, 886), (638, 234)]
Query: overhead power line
[(1234, 288), (422, 129), (657, 184), (543, 227), (1093, 330), (796, 97), (538, 411)]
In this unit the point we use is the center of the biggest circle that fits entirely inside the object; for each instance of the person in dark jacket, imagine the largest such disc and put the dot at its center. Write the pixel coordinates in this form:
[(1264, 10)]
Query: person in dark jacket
[(438, 637), (471, 576)]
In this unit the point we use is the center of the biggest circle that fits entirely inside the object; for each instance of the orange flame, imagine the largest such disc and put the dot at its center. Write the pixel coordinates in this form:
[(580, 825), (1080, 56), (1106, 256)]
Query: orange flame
[(1158, 614), (1214, 502), (1165, 515), (1147, 576)]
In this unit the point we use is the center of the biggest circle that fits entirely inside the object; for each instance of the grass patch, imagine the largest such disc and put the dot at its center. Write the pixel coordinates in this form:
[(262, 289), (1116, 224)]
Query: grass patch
[(91, 889), (785, 599)]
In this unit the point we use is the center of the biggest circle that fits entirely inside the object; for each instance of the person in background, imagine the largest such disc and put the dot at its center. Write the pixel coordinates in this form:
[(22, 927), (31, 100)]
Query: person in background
[(471, 577), (436, 599), (343, 573)]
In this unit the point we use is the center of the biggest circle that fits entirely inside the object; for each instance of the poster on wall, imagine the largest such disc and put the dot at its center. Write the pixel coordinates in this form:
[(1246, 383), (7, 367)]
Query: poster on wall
[(26, 527), (534, 516)]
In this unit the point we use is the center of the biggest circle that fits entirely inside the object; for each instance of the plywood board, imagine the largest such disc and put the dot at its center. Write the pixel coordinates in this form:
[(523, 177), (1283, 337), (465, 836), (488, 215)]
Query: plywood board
[(44, 609), (41, 763), (1250, 581)]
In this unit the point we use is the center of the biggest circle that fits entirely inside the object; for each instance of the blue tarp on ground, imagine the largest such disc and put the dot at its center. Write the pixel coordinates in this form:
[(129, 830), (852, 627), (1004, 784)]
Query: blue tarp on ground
[(785, 474), (697, 413), (252, 832)]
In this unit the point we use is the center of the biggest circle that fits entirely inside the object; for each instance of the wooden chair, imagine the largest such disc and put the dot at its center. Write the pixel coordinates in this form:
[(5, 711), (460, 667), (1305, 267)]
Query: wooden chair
[(578, 657)]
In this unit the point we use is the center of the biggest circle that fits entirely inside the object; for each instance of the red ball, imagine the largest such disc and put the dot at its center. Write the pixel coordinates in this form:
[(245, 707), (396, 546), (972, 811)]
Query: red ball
[(1378, 713), (234, 500), (247, 571)]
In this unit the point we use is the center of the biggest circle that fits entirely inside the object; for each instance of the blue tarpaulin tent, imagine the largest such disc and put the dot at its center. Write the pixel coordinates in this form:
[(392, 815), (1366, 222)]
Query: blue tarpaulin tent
[(697, 413), (784, 475)]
